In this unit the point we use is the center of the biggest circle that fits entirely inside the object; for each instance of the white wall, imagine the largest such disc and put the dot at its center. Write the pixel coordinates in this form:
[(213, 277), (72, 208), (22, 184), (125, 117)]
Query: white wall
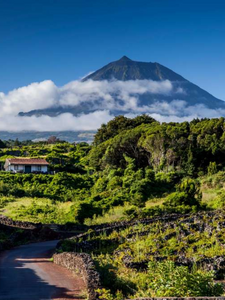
[(22, 168), (44, 168), (11, 168), (35, 168)]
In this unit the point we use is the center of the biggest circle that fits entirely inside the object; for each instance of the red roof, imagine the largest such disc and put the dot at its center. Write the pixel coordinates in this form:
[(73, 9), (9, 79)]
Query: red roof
[(27, 161)]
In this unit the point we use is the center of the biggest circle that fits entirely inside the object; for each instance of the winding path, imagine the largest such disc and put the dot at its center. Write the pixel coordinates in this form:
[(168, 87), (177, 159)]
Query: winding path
[(26, 273)]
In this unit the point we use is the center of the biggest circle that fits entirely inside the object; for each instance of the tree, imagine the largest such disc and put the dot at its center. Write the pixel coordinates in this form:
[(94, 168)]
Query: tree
[(119, 124), (2, 144)]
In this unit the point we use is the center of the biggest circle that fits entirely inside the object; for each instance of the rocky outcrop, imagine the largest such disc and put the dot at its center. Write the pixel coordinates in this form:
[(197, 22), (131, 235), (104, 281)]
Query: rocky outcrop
[(81, 263)]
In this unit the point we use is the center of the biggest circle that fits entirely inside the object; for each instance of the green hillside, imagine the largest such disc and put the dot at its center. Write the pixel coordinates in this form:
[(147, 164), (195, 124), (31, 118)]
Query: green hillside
[(155, 192)]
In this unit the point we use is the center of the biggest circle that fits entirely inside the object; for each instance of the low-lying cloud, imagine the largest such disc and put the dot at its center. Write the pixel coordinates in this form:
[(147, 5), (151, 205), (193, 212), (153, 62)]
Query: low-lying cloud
[(102, 96)]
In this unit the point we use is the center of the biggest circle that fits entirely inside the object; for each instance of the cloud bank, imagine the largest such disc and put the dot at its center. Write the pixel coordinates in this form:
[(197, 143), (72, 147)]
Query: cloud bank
[(102, 96)]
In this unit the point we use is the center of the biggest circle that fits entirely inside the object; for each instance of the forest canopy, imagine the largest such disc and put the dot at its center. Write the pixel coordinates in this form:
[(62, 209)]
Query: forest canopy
[(189, 147)]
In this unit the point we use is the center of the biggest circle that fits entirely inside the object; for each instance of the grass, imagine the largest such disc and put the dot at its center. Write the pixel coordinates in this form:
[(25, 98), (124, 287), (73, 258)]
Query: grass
[(208, 195), (4, 201), (115, 214), (38, 210), (155, 201), (142, 243)]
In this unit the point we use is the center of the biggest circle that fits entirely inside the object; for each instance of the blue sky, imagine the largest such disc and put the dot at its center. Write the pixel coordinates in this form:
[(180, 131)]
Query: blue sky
[(63, 40)]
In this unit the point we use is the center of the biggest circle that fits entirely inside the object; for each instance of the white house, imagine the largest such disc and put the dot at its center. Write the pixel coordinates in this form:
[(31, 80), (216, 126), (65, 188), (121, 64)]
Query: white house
[(26, 165)]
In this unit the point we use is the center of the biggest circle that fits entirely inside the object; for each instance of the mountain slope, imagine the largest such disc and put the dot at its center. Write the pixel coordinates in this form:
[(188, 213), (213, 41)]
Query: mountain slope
[(147, 73), (127, 69)]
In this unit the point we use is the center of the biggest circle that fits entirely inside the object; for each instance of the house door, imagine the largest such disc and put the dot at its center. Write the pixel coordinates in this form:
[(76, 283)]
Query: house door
[(27, 169)]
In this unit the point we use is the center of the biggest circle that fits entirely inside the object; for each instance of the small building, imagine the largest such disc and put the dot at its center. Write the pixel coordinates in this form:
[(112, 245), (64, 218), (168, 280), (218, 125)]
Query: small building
[(26, 165)]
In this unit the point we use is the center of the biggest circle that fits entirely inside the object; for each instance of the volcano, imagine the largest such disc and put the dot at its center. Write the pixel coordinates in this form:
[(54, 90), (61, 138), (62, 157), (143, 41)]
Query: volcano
[(127, 73)]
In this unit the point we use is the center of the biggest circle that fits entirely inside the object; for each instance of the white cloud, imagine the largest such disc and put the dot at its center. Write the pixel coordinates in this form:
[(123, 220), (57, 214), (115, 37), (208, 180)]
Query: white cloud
[(102, 96), (77, 92), (62, 122), (36, 95)]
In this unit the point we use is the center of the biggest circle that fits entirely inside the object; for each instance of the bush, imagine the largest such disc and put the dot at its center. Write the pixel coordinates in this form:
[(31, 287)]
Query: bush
[(164, 279), (86, 210), (131, 212), (151, 211), (187, 194), (105, 294), (219, 201), (177, 199), (212, 168)]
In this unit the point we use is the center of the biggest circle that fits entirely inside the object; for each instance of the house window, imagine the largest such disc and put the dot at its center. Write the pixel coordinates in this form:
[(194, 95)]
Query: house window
[(39, 168), (16, 167)]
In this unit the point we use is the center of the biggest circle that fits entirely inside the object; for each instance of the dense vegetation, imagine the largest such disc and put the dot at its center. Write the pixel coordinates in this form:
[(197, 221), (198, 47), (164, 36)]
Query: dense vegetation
[(136, 168), (166, 257)]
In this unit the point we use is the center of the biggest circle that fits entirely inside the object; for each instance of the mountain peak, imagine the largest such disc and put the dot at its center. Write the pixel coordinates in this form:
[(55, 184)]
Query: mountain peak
[(125, 58), (150, 93), (127, 69)]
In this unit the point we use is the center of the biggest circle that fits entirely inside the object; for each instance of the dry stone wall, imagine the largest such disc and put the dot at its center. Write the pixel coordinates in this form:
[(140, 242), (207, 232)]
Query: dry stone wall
[(19, 224), (81, 263), (18, 233)]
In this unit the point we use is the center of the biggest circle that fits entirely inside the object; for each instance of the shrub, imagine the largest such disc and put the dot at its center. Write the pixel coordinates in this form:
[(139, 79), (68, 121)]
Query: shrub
[(167, 280), (177, 199), (86, 210), (131, 212), (187, 194), (105, 294), (212, 168), (219, 201)]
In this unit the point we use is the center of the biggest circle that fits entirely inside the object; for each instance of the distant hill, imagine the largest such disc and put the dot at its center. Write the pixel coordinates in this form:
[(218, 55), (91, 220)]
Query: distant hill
[(126, 69), (35, 136)]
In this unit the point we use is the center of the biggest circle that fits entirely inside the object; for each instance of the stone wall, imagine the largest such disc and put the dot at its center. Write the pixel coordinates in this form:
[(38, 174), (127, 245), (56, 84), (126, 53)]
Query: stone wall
[(81, 263), (108, 228), (19, 224), (216, 263), (24, 233), (192, 221)]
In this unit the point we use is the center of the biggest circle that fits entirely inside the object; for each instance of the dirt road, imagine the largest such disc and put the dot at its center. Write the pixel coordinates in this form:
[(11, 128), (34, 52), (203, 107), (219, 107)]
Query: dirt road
[(26, 273)]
